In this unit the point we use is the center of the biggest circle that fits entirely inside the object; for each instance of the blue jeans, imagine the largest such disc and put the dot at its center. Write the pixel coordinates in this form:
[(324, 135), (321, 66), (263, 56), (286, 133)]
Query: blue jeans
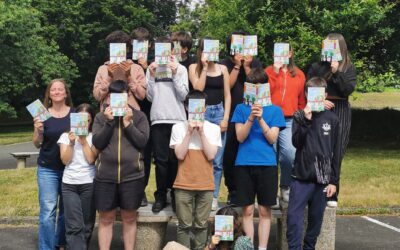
[(50, 234), (215, 114), (286, 153)]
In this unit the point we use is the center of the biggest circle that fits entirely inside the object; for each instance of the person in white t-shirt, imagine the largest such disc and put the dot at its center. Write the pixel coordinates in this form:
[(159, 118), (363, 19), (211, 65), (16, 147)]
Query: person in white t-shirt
[(78, 154), (195, 145)]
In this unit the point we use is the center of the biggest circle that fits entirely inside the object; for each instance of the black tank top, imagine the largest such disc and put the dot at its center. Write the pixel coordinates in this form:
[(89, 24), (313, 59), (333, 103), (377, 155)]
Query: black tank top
[(214, 89)]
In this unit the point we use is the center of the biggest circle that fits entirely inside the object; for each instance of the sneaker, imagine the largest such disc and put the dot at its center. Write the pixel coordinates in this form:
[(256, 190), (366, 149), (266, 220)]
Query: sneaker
[(214, 205), (276, 206), (231, 200), (332, 204), (158, 206), (285, 194), (144, 201)]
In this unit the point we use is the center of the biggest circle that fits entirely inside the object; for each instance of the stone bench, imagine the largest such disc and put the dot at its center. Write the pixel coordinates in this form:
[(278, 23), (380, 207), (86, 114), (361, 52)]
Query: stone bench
[(21, 158)]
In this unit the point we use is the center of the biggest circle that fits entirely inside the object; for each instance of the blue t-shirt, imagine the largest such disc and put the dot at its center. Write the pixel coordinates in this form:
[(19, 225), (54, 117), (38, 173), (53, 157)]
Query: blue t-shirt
[(256, 150)]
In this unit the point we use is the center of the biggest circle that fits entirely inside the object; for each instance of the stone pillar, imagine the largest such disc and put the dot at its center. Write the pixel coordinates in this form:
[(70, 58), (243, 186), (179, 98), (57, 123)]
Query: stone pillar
[(326, 239), (150, 235)]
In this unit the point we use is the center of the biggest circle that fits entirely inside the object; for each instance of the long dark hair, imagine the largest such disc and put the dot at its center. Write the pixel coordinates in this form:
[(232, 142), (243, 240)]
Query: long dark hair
[(344, 64), (84, 107), (200, 48), (292, 66)]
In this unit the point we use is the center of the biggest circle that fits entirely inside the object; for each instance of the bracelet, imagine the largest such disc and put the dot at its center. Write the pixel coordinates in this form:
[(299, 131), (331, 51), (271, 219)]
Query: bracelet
[(237, 68), (250, 120), (204, 70)]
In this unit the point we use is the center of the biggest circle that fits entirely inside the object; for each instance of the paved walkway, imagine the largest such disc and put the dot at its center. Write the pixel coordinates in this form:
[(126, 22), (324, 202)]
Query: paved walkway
[(7, 161)]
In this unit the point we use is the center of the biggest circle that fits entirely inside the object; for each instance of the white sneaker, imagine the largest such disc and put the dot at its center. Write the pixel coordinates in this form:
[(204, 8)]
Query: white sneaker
[(332, 204), (214, 205), (285, 194), (276, 206)]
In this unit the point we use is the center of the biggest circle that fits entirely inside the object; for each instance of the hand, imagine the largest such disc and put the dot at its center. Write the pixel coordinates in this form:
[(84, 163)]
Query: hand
[(128, 117), (328, 105), (191, 127), (247, 61), (277, 66), (143, 62), (257, 111), (173, 65), (111, 69), (204, 61), (82, 140), (223, 125), (71, 137), (215, 239), (126, 67), (200, 127), (334, 66), (108, 114), (152, 67), (237, 59), (330, 190), (307, 112), (38, 125)]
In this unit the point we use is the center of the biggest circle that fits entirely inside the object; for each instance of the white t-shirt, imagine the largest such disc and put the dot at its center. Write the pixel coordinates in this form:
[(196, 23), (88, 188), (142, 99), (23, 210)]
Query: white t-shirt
[(211, 130), (78, 171)]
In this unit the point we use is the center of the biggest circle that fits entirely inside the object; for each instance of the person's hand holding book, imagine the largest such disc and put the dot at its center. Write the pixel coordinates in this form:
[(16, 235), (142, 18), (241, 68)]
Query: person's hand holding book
[(173, 65), (152, 67), (307, 112), (38, 125), (256, 111), (128, 117)]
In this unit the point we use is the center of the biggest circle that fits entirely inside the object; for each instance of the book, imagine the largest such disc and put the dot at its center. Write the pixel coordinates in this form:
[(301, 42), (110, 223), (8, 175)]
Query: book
[(316, 98), (163, 74), (117, 52), (118, 102), (224, 227), (38, 110), (162, 53), (281, 53), (80, 123), (257, 94), (139, 49), (250, 45), (178, 51), (211, 50), (236, 44), (196, 110), (331, 51)]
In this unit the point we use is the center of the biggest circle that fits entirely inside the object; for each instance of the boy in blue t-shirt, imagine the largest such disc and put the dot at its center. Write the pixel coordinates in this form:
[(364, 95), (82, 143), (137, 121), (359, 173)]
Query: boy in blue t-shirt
[(256, 174)]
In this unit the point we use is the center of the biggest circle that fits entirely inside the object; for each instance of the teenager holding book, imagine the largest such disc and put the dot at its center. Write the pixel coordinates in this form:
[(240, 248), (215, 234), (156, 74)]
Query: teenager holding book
[(50, 167), (185, 40), (257, 129), (287, 91), (238, 67), (195, 145), (341, 78), (167, 95), (119, 180), (213, 79), (78, 155), (134, 73), (316, 136)]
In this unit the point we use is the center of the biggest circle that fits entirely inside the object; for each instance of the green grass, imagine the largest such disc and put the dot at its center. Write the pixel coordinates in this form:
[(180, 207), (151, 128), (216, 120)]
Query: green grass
[(15, 134), (387, 99)]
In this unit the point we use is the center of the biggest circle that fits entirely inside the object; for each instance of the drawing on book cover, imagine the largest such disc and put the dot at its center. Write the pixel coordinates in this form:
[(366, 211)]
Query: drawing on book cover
[(257, 94), (316, 98), (117, 52), (196, 110), (140, 49), (236, 44), (281, 53), (38, 110), (162, 53), (118, 102), (80, 123), (163, 74), (331, 50), (211, 50), (178, 51), (224, 227), (250, 45)]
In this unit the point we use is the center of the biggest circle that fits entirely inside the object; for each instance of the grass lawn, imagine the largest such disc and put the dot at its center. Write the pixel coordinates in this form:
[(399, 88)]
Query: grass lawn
[(370, 179), (387, 99), (10, 135)]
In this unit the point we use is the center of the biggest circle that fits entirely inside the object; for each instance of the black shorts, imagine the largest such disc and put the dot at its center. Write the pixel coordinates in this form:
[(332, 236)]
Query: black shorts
[(256, 180), (126, 195)]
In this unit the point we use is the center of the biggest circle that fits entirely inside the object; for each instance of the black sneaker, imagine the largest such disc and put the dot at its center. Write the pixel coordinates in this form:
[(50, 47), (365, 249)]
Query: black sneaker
[(158, 206), (144, 201), (231, 201)]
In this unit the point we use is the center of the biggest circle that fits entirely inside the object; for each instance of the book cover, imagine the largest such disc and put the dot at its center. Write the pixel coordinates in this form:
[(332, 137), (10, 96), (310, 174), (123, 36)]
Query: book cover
[(211, 50), (257, 94), (316, 98), (250, 45), (330, 51), (281, 53), (196, 110), (80, 123), (117, 52), (163, 74), (38, 110), (237, 44), (224, 227), (178, 51), (118, 102), (140, 49), (162, 53)]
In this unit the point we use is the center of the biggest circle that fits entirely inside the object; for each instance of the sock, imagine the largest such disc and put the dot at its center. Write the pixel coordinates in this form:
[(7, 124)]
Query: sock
[(262, 248)]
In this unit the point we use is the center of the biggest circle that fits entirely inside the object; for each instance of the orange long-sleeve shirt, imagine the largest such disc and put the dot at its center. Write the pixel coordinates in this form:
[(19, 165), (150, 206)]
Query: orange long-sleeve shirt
[(287, 92)]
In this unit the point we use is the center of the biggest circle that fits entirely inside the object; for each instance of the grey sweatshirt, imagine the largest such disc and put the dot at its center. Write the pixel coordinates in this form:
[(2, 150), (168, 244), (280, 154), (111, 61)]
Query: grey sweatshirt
[(167, 96)]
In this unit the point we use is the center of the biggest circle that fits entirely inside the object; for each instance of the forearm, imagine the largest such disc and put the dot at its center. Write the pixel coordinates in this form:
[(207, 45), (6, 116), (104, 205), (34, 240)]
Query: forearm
[(66, 153), (181, 84), (138, 136), (199, 83), (37, 138), (269, 133), (102, 135), (181, 150), (89, 155), (233, 77), (209, 150), (247, 70), (243, 130)]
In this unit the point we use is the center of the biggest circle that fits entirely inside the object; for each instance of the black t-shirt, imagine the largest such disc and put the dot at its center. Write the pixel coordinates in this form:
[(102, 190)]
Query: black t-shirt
[(237, 89)]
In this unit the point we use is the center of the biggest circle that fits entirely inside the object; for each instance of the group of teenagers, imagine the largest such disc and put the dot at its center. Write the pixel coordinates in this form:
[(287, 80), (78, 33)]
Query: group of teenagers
[(110, 167)]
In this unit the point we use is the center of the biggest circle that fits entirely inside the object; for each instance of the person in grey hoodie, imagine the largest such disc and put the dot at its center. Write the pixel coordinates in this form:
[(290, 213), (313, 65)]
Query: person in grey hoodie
[(167, 87), (119, 179)]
